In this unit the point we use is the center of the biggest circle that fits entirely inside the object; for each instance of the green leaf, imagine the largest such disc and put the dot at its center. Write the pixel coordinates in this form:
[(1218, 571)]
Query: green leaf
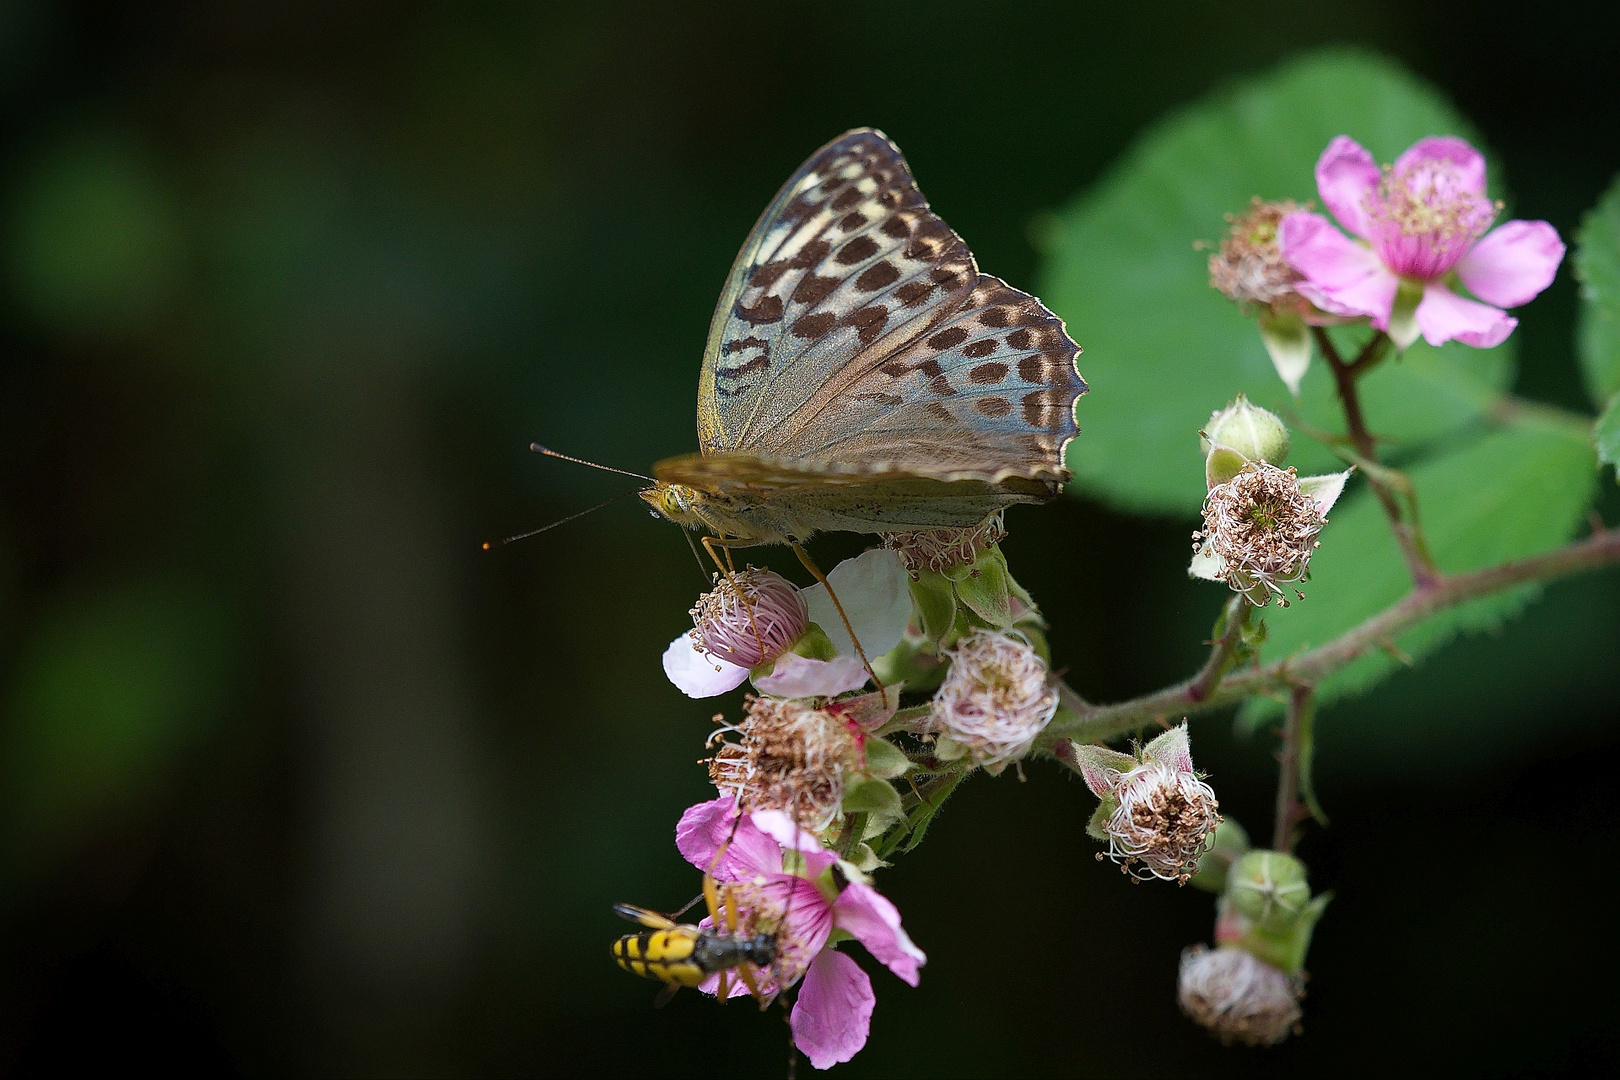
[(1514, 492), (1597, 265), (1164, 350), (1607, 434)]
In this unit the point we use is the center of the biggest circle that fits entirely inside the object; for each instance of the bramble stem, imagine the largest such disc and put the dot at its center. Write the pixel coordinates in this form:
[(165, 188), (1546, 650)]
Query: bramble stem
[(1413, 549), (1085, 722), (1288, 808), (1234, 621)]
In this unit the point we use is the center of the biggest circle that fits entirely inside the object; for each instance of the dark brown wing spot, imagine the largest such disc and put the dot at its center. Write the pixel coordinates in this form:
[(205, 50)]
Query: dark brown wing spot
[(876, 398), (988, 374), (812, 289), (1019, 339), (993, 407), (857, 250), (1040, 410), (813, 326), (869, 322), (763, 360), (982, 347), (768, 310), (994, 317), (1035, 369), (852, 221), (947, 339), (739, 344), (766, 274), (913, 293), (895, 226), (940, 412), (811, 254), (946, 278), (921, 250), (847, 198), (877, 276)]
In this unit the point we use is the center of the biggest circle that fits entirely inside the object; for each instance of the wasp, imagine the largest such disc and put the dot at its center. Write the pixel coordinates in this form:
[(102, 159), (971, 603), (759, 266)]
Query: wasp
[(680, 954)]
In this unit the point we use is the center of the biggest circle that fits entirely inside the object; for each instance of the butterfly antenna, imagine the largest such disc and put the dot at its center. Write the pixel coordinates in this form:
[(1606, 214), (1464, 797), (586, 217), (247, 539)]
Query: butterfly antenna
[(490, 546), (548, 452)]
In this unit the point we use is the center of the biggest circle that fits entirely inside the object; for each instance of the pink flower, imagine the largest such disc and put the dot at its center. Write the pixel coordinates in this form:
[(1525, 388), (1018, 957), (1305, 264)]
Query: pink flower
[(1424, 224), (833, 1013)]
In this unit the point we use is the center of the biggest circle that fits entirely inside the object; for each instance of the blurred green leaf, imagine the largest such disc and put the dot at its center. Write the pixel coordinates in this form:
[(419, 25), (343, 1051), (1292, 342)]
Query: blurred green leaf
[(108, 690), (1516, 491), (95, 240), (1607, 434), (1597, 265), (1163, 349)]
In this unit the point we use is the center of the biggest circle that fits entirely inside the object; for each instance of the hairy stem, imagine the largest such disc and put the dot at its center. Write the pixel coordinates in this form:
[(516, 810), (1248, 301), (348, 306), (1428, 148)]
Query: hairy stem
[(1288, 808), (1234, 621), (1085, 722), (1345, 374)]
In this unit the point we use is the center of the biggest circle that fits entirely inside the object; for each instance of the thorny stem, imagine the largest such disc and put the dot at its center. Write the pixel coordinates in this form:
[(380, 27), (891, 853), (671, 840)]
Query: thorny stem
[(1413, 549), (1085, 722), (1234, 622), (1288, 808)]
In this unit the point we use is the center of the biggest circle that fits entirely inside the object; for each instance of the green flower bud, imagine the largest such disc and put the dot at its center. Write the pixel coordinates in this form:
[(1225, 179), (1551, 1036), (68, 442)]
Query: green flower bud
[(1270, 889), (1248, 429)]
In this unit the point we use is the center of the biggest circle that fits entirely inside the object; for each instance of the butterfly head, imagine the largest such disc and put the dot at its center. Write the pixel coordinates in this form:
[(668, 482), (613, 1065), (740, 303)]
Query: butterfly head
[(677, 502)]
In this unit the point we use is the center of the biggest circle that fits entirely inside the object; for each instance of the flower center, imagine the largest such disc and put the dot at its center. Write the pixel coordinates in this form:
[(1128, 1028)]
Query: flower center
[(1424, 218)]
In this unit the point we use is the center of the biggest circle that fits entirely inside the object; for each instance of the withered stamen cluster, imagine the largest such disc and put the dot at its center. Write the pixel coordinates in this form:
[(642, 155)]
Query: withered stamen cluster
[(1166, 820), (1249, 266), (1264, 529), (940, 549), (790, 758), (1238, 997)]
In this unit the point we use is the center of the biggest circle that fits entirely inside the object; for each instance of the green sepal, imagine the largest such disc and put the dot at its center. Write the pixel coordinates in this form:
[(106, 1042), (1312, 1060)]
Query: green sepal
[(1097, 827), (1037, 641), (878, 800), (1286, 947), (935, 598), (864, 859), (948, 749), (814, 644), (885, 760), (1269, 888), (1231, 844), (1222, 464), (985, 590), (1403, 327)]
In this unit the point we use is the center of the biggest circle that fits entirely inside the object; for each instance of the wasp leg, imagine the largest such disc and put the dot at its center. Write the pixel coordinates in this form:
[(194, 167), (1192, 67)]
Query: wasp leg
[(746, 973), (711, 898), (815, 572), (665, 994)]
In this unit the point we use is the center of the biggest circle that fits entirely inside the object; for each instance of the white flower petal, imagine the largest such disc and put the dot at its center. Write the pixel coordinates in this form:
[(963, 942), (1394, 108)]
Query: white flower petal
[(1324, 491), (697, 674), (875, 591), (795, 676), (1207, 565)]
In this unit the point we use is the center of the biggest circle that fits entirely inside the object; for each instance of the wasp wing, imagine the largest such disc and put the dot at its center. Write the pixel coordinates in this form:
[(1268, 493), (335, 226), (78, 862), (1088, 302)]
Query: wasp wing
[(650, 919)]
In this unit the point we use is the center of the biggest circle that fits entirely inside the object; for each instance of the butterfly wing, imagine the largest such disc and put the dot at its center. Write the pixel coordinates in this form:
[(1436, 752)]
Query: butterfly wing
[(856, 333)]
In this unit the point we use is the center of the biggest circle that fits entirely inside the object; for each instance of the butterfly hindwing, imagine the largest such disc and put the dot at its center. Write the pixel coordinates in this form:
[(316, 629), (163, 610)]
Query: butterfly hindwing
[(856, 334)]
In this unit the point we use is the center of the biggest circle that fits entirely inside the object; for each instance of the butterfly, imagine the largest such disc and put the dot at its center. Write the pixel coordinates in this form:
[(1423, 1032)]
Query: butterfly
[(862, 375)]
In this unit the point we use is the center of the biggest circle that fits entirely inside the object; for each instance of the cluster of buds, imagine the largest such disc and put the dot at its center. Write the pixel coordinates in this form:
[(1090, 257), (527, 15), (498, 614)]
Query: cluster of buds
[(1248, 988), (1261, 522), (1155, 811)]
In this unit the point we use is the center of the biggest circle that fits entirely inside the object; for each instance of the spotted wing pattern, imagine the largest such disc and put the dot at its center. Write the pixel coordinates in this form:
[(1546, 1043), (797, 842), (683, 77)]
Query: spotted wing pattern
[(857, 332)]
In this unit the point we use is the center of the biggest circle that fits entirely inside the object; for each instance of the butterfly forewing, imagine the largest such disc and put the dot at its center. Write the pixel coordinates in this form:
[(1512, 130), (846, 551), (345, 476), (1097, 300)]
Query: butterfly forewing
[(856, 335)]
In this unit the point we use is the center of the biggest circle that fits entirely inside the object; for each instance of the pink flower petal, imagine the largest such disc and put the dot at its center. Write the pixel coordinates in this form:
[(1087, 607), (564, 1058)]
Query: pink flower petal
[(795, 676), (697, 674), (875, 922), (1341, 276), (1468, 163), (1443, 316), (707, 828), (784, 831), (1345, 176), (1512, 263), (833, 1015)]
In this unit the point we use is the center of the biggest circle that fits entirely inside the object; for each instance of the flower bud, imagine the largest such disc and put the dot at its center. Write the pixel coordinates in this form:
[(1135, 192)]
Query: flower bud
[(1256, 433), (1269, 888), (1237, 996), (750, 618), (995, 700)]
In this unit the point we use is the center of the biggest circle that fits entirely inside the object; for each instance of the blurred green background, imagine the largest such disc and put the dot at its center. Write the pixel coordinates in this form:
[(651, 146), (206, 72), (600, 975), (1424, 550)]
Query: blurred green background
[(298, 779)]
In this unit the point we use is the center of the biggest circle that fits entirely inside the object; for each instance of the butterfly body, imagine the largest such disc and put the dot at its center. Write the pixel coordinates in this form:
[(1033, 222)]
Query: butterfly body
[(862, 375)]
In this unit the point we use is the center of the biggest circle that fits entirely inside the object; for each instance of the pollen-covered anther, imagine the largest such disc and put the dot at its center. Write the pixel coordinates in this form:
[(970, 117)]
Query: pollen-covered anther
[(1263, 529), (1238, 997), (1424, 217), (1165, 820), (941, 549), (789, 758), (996, 698), (1249, 267), (749, 618)]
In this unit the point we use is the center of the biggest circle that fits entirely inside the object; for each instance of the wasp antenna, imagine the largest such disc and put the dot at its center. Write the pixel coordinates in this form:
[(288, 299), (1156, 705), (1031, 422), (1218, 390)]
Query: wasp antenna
[(490, 546), (548, 452)]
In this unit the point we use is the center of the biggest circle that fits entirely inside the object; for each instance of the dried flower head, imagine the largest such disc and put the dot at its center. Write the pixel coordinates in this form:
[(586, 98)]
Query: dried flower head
[(995, 699), (1249, 267), (1165, 820), (940, 549), (1263, 529), (749, 618), (1238, 997), (789, 758)]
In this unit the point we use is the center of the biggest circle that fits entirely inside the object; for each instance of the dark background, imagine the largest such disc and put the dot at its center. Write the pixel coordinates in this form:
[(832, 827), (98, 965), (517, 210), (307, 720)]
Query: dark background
[(297, 779)]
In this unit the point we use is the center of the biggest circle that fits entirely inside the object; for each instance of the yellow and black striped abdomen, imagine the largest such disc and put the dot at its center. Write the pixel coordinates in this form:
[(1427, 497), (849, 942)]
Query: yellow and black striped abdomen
[(665, 955)]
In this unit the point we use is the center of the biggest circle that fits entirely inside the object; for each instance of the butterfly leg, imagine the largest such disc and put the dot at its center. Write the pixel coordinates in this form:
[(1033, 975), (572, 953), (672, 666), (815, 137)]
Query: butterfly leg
[(815, 571), (728, 568)]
